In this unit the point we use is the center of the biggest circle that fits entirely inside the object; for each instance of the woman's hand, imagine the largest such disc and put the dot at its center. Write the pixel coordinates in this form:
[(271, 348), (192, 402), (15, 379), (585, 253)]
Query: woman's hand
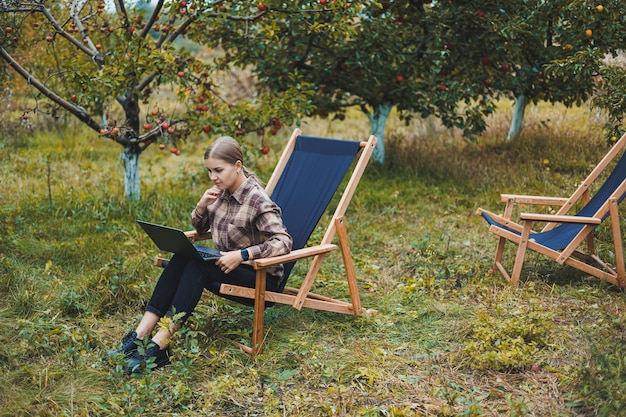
[(229, 261), (208, 198)]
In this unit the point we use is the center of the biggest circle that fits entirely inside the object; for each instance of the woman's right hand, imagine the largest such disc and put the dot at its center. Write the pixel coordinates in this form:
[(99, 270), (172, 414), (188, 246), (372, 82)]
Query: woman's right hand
[(209, 197)]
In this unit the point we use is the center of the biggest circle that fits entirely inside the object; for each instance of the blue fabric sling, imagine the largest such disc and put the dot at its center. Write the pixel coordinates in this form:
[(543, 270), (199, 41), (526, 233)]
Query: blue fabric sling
[(308, 183)]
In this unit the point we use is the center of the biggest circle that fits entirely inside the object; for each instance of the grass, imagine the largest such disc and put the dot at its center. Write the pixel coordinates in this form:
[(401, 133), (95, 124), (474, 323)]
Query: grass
[(450, 339)]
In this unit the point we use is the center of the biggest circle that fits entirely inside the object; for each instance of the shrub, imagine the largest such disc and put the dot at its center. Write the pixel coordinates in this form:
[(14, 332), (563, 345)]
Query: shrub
[(508, 337)]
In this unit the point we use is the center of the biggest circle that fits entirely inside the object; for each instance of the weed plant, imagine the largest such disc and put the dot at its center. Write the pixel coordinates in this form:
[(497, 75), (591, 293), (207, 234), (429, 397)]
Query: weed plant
[(450, 338)]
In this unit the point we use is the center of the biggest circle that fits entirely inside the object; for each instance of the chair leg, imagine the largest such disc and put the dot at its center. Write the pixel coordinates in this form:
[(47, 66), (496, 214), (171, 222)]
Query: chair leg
[(521, 251), (499, 251), (617, 241), (497, 261), (591, 247), (342, 234), (259, 312)]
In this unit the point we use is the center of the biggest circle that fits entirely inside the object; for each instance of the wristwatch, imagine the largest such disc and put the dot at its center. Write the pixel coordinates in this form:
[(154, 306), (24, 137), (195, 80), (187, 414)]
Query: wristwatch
[(244, 254)]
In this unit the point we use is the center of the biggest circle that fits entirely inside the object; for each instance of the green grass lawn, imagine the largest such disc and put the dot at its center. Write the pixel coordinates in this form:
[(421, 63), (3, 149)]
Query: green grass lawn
[(451, 338)]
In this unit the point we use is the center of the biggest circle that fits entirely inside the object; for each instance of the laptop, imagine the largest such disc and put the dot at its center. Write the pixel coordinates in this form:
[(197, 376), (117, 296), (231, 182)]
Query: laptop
[(174, 240)]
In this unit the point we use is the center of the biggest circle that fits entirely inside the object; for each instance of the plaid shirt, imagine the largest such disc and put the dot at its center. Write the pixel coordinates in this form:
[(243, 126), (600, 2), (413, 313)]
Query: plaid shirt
[(246, 219)]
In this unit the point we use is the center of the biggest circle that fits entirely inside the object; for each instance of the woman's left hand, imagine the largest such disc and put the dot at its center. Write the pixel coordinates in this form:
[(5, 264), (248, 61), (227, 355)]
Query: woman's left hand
[(229, 261)]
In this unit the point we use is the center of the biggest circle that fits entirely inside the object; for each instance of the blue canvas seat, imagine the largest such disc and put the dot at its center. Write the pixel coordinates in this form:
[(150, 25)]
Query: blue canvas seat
[(563, 234), (310, 172)]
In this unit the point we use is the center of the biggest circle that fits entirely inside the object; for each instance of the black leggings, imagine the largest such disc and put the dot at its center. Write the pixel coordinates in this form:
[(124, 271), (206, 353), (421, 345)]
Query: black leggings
[(181, 284)]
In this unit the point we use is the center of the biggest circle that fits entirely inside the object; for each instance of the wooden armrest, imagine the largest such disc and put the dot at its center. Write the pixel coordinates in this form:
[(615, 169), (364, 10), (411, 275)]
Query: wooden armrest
[(160, 262), (294, 255), (194, 236), (265, 262), (533, 199), (553, 218)]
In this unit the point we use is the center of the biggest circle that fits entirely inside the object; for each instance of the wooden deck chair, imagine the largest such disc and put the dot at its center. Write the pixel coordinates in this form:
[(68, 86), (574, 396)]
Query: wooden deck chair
[(563, 234), (305, 180)]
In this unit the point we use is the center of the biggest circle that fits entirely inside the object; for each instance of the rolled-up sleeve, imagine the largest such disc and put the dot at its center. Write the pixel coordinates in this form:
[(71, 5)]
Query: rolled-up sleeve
[(200, 223), (278, 241)]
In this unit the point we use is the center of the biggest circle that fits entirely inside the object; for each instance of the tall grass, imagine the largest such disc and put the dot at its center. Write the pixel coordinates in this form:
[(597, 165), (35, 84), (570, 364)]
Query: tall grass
[(450, 339)]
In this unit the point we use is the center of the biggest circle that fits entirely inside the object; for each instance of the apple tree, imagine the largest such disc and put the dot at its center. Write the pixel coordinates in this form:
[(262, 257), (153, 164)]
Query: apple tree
[(108, 64), (599, 62), (519, 41), (404, 54), (447, 59)]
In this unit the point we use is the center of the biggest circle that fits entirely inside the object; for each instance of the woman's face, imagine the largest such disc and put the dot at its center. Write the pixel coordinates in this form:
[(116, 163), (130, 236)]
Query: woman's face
[(223, 174)]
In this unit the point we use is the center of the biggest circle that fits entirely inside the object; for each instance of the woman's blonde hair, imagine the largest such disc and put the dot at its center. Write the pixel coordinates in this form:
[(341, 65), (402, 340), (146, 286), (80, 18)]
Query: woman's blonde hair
[(228, 149)]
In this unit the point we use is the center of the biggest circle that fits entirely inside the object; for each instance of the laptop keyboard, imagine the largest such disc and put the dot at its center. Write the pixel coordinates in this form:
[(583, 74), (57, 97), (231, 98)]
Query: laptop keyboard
[(206, 255)]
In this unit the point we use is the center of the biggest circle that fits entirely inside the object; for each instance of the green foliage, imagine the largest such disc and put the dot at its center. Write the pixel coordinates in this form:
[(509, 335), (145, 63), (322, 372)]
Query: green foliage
[(602, 381), (435, 60), (509, 337)]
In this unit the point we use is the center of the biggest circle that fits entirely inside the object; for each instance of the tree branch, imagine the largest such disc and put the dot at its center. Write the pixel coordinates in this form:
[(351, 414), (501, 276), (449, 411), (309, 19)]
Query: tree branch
[(66, 35), (152, 19), (74, 15), (146, 81), (78, 112)]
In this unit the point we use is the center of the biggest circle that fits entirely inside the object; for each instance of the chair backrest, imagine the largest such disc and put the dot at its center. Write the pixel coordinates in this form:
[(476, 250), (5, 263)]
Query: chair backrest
[(614, 180), (559, 237), (310, 179)]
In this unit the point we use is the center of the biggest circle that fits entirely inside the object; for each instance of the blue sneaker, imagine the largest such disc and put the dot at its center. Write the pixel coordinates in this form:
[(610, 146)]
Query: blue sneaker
[(129, 345), (151, 357)]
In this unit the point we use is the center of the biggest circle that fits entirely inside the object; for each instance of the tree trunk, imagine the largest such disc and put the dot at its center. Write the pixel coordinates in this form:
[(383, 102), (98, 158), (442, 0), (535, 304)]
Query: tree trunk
[(132, 149), (130, 156), (377, 127), (518, 117)]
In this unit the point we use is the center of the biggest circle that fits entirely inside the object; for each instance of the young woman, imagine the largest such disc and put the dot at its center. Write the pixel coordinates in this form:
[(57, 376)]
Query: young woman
[(245, 224)]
